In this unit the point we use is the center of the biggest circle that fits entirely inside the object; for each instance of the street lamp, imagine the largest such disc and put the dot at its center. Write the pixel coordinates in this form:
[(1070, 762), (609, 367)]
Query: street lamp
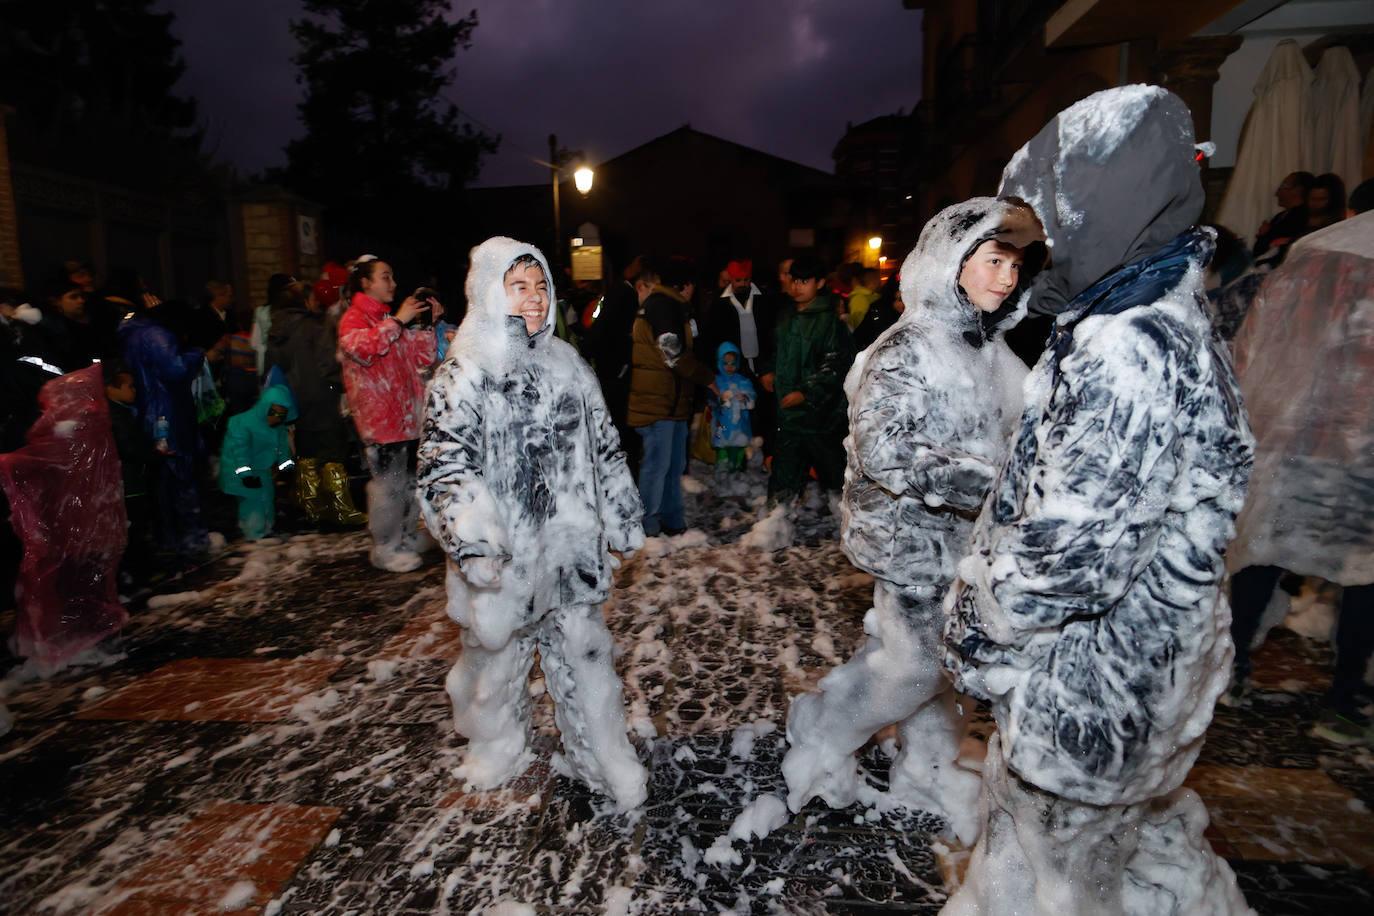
[(583, 179), (875, 242)]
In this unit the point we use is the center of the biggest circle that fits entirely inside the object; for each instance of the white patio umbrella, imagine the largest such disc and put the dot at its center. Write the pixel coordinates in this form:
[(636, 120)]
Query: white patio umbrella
[(1334, 117), (1367, 124), (1272, 144)]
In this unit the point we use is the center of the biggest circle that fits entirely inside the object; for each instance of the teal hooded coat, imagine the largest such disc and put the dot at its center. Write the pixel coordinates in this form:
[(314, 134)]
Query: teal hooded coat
[(252, 448)]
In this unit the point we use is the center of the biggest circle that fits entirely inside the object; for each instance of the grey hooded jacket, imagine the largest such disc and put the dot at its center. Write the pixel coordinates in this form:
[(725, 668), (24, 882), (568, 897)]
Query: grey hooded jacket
[(1089, 610), (519, 461), (932, 407)]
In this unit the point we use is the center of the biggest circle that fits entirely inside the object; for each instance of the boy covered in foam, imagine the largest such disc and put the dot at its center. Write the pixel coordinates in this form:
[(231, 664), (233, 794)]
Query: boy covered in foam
[(523, 482)]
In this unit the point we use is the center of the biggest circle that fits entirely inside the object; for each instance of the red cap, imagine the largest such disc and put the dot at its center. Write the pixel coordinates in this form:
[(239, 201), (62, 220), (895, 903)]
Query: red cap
[(740, 270), (326, 288)]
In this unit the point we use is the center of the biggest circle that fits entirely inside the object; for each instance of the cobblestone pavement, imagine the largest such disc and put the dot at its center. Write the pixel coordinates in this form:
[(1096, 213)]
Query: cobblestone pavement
[(274, 738)]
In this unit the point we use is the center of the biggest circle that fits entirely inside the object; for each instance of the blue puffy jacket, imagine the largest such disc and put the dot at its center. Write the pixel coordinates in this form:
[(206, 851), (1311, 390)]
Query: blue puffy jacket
[(163, 373)]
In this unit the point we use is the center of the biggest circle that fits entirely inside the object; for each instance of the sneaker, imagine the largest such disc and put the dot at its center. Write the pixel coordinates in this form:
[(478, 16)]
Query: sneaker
[(1340, 728)]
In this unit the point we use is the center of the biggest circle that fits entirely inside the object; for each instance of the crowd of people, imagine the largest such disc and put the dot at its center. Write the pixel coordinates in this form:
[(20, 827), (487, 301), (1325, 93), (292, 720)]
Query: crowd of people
[(275, 408), (1053, 542)]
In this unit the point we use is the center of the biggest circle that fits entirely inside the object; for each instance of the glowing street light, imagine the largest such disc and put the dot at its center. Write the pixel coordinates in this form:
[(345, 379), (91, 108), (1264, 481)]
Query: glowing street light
[(582, 178), (875, 242)]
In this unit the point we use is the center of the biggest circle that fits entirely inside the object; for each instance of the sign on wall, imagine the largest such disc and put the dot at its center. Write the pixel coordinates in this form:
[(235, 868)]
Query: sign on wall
[(306, 234)]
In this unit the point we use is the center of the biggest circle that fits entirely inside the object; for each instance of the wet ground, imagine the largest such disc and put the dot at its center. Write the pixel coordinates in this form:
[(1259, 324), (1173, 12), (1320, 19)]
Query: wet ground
[(271, 735)]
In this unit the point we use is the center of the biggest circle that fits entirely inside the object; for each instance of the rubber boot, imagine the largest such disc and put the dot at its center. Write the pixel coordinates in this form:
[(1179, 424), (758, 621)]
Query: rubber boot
[(306, 493), (336, 499)]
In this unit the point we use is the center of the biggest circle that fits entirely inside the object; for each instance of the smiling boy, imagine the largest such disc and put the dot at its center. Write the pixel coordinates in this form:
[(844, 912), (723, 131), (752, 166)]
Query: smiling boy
[(523, 482)]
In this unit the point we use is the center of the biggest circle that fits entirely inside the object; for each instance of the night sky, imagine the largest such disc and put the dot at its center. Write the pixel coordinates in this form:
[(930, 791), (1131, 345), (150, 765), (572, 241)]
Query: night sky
[(782, 76)]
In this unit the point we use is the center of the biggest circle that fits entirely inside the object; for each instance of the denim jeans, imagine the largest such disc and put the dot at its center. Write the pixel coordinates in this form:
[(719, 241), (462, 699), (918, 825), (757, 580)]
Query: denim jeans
[(660, 474)]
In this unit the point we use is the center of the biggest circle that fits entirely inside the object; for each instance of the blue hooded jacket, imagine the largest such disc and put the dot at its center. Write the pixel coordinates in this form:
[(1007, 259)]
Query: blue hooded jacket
[(164, 374), (730, 425)]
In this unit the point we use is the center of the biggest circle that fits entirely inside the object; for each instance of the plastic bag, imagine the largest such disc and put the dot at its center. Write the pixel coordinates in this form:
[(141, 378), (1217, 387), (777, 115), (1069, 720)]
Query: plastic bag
[(209, 405), (67, 498), (702, 449)]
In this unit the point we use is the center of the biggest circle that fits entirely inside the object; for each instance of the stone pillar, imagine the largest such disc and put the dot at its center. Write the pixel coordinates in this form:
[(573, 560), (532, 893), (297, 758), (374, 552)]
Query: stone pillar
[(1189, 69), (11, 268), (270, 241)]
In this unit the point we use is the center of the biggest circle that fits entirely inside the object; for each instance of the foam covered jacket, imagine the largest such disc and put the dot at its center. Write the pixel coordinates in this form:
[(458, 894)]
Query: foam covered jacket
[(1089, 609), (252, 446), (931, 411), (382, 362), (519, 460)]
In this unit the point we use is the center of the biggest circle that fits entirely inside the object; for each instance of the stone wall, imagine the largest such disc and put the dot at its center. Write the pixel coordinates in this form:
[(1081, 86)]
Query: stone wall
[(11, 269), (271, 243)]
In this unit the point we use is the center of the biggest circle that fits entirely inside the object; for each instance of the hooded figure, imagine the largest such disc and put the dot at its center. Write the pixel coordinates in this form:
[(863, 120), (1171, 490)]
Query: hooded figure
[(163, 373), (303, 344), (1089, 610), (523, 483), (932, 405), (731, 430), (1303, 358), (256, 445), (64, 491)]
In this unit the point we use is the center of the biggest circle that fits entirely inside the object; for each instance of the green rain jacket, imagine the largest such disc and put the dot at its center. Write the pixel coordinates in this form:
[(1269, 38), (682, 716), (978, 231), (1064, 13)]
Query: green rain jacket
[(814, 352), (252, 447)]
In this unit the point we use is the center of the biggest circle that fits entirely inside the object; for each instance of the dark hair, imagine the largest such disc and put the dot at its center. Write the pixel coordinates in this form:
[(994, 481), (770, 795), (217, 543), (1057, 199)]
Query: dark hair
[(297, 292), (525, 260), (677, 273), (214, 288), (58, 283), (358, 271), (275, 284), (1332, 184), (1362, 198), (125, 283), (649, 270), (1304, 180), (808, 267)]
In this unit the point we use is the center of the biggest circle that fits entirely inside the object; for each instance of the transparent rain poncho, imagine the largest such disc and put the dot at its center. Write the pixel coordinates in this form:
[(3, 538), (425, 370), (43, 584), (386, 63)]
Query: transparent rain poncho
[(1304, 358), (67, 499)]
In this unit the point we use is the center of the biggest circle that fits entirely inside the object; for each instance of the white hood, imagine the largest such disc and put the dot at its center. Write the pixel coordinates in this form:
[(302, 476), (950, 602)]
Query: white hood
[(930, 274), (486, 334)]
